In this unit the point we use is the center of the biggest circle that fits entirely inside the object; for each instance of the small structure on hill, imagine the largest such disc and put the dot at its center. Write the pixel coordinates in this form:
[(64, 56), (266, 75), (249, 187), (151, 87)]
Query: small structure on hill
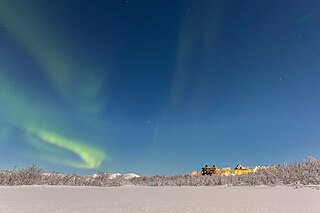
[(238, 170)]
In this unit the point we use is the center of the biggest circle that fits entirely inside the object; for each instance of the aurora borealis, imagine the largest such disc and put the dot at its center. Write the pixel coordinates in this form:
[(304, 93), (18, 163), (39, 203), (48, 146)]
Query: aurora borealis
[(158, 87)]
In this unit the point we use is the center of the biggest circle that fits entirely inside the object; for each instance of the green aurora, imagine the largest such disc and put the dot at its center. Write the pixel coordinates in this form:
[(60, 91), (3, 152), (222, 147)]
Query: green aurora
[(25, 111), (150, 86)]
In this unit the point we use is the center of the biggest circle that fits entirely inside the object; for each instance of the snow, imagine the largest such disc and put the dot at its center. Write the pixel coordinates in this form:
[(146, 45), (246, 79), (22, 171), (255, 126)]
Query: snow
[(130, 175), (115, 175), (95, 176), (49, 199)]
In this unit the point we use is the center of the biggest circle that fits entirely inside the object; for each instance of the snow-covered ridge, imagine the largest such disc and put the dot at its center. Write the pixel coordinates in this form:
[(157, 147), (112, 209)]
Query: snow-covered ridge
[(109, 175), (130, 175), (115, 175)]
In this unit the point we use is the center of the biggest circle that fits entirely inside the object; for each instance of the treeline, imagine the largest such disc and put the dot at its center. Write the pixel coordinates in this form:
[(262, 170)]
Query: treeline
[(305, 173), (34, 175)]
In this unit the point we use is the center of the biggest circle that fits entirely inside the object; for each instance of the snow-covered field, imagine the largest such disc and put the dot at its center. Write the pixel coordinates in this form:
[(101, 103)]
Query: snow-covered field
[(133, 199)]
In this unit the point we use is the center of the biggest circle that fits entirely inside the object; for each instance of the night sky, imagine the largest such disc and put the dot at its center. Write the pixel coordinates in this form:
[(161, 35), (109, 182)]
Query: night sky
[(158, 87)]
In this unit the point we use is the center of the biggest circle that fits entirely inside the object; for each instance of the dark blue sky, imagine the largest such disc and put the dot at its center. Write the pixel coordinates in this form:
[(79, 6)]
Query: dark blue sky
[(158, 87)]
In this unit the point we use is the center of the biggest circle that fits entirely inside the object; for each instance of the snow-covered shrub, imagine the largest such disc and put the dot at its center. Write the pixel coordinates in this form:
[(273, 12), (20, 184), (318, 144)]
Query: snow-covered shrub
[(305, 173)]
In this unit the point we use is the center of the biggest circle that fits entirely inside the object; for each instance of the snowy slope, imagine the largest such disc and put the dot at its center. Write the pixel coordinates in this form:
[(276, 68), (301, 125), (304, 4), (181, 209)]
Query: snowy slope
[(115, 175)]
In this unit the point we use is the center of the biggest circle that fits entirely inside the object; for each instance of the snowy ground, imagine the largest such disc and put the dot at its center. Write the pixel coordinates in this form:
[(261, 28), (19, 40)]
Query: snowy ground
[(133, 199)]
